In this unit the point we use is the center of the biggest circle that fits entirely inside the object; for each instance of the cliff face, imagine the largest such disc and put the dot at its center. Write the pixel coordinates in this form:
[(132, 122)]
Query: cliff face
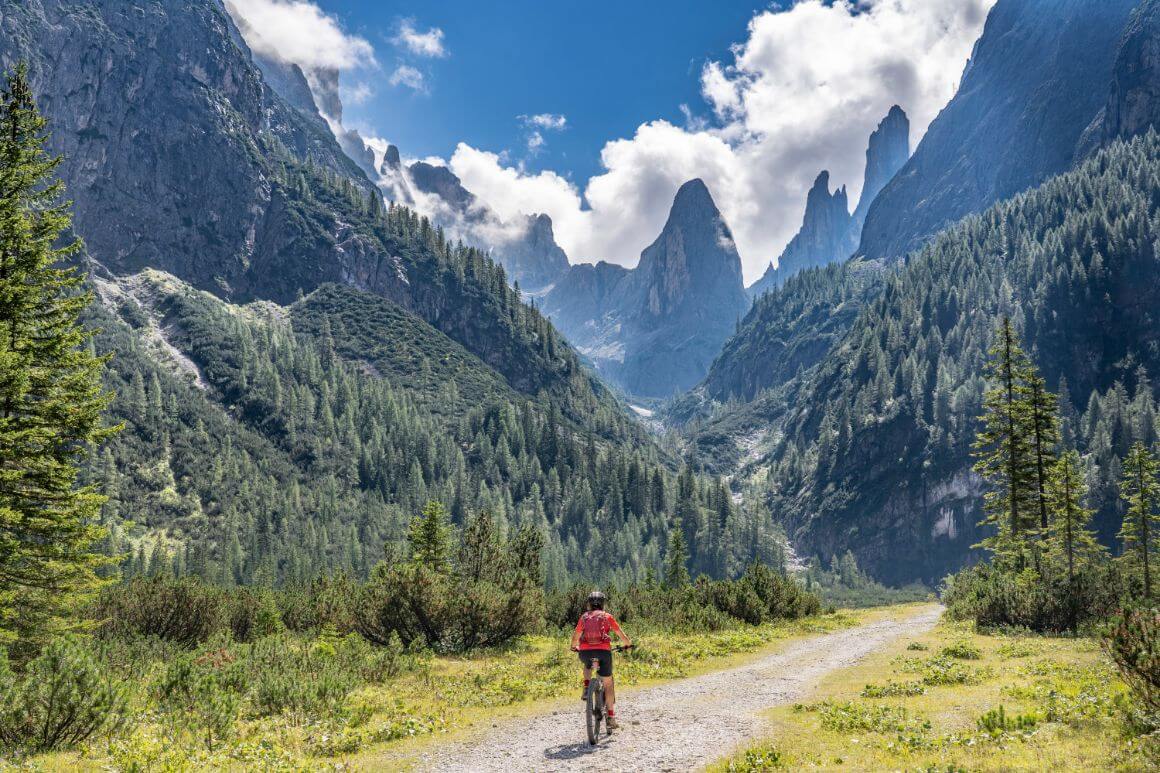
[(1038, 77), (166, 156), (1134, 97), (886, 153), (655, 329)]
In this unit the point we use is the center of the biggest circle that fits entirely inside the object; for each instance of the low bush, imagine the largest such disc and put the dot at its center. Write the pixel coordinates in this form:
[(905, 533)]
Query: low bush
[(64, 697), (893, 690), (1133, 644), (963, 650), (1043, 603), (998, 721), (185, 611)]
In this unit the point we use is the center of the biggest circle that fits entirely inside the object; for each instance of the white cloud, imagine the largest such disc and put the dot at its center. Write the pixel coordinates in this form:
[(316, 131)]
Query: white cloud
[(300, 32), (406, 75), (536, 142), (357, 94), (802, 93), (547, 121), (429, 43)]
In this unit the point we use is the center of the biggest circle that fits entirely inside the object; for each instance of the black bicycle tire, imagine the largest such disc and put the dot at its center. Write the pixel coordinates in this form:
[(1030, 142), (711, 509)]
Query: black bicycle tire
[(594, 709)]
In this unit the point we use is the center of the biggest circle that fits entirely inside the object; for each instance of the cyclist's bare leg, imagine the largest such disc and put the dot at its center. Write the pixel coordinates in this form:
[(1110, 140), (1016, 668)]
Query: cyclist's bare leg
[(610, 693)]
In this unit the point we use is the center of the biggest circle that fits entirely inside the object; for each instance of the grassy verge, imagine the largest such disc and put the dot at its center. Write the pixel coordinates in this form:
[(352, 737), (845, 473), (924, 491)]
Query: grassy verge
[(387, 723), (955, 700)]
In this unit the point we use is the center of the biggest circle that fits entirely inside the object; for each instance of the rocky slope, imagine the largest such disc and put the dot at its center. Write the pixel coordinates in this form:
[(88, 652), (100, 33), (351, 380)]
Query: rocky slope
[(1037, 78), (655, 329)]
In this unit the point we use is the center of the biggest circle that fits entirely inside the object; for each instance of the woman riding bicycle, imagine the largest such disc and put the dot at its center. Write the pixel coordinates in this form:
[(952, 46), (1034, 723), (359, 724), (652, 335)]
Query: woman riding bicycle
[(593, 641)]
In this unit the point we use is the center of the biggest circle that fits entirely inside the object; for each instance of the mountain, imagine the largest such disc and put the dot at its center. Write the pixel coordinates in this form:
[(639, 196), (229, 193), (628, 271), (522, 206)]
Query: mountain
[(1037, 79), (654, 329), (873, 452), (829, 232), (887, 152), (824, 236), (533, 258), (299, 366), (269, 443)]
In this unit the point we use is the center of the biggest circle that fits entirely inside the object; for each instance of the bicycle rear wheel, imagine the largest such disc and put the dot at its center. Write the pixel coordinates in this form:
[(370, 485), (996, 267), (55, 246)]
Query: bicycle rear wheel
[(594, 709)]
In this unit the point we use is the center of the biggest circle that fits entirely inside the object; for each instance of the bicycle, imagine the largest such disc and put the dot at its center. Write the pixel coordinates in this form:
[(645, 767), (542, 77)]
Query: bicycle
[(594, 713)]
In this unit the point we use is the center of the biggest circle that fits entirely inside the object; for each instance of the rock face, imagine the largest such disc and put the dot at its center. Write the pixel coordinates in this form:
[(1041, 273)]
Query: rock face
[(166, 156), (887, 152), (534, 259), (442, 182), (655, 329), (824, 237), (1038, 77), (1134, 99)]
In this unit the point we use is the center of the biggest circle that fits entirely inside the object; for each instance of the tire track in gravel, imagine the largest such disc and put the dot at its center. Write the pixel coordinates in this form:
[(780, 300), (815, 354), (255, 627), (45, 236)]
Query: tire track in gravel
[(677, 726)]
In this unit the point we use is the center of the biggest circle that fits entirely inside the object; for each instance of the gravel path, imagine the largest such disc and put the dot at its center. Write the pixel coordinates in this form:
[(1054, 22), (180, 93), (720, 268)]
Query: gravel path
[(678, 726)]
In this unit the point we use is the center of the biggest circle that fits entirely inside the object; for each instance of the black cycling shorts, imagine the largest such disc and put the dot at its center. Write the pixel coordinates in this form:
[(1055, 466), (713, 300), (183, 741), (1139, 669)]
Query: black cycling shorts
[(604, 667)]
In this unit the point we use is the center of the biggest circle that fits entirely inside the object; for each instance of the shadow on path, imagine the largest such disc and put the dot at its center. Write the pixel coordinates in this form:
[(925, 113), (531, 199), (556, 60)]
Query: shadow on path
[(572, 751)]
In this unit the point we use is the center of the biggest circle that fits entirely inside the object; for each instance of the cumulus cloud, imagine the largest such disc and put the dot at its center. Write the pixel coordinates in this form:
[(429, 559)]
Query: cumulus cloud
[(547, 121), (429, 43), (802, 93), (408, 76), (299, 31)]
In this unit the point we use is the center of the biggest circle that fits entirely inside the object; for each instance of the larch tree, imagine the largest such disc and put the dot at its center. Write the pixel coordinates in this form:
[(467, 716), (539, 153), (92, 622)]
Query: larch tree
[(1004, 449), (51, 399), (1070, 539), (1140, 491)]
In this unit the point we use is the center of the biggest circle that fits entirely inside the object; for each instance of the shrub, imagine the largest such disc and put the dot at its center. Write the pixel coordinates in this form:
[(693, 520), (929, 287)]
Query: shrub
[(998, 721), (756, 759), (917, 646), (200, 697), (893, 690), (251, 614), (1132, 643), (851, 715), (491, 595), (186, 611), (963, 650), (63, 698), (1044, 603)]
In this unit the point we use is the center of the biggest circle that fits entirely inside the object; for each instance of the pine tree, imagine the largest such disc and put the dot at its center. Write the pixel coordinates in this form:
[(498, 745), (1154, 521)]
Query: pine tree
[(430, 538), (50, 389), (1004, 449), (676, 559), (1140, 490), (1070, 540)]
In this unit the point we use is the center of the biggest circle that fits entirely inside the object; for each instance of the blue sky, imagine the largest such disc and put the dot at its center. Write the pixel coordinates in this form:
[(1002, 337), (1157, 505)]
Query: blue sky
[(606, 66), (595, 113)]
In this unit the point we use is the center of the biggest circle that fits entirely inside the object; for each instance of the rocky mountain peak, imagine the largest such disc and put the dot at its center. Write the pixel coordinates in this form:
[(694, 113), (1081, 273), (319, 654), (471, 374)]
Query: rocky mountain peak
[(886, 153), (694, 259), (391, 159), (442, 182), (534, 259)]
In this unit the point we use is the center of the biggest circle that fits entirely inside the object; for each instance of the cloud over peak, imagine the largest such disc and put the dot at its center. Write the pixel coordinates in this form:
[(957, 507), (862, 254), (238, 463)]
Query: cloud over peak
[(299, 31), (801, 93)]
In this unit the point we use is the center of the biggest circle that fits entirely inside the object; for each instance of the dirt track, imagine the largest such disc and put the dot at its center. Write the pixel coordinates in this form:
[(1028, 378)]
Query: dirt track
[(678, 726)]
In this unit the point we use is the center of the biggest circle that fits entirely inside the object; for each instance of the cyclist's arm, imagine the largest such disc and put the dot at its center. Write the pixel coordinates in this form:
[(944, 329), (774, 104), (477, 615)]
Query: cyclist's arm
[(576, 637)]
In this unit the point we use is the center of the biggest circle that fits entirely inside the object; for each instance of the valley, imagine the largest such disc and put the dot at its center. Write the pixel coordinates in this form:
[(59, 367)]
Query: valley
[(841, 389)]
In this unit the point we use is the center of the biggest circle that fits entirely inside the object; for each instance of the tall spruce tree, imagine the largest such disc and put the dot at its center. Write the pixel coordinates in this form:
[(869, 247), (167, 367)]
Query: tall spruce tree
[(1004, 450), (430, 538), (676, 559), (1070, 540), (1140, 490), (50, 387)]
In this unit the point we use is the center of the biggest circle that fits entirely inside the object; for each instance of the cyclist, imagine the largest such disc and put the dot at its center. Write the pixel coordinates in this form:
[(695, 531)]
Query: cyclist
[(592, 640)]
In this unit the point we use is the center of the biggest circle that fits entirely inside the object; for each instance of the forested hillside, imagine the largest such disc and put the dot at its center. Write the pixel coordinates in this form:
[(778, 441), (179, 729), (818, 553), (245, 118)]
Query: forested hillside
[(271, 444), (876, 445)]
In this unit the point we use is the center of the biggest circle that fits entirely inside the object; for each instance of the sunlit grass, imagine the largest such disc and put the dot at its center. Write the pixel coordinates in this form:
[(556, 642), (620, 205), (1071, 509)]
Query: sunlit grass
[(955, 700)]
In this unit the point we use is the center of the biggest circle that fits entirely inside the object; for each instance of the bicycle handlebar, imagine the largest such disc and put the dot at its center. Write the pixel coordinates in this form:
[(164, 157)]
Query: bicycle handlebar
[(617, 648)]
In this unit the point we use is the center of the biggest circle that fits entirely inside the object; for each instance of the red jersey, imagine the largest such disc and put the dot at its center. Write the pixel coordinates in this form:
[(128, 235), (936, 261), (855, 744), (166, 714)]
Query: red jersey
[(595, 628)]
